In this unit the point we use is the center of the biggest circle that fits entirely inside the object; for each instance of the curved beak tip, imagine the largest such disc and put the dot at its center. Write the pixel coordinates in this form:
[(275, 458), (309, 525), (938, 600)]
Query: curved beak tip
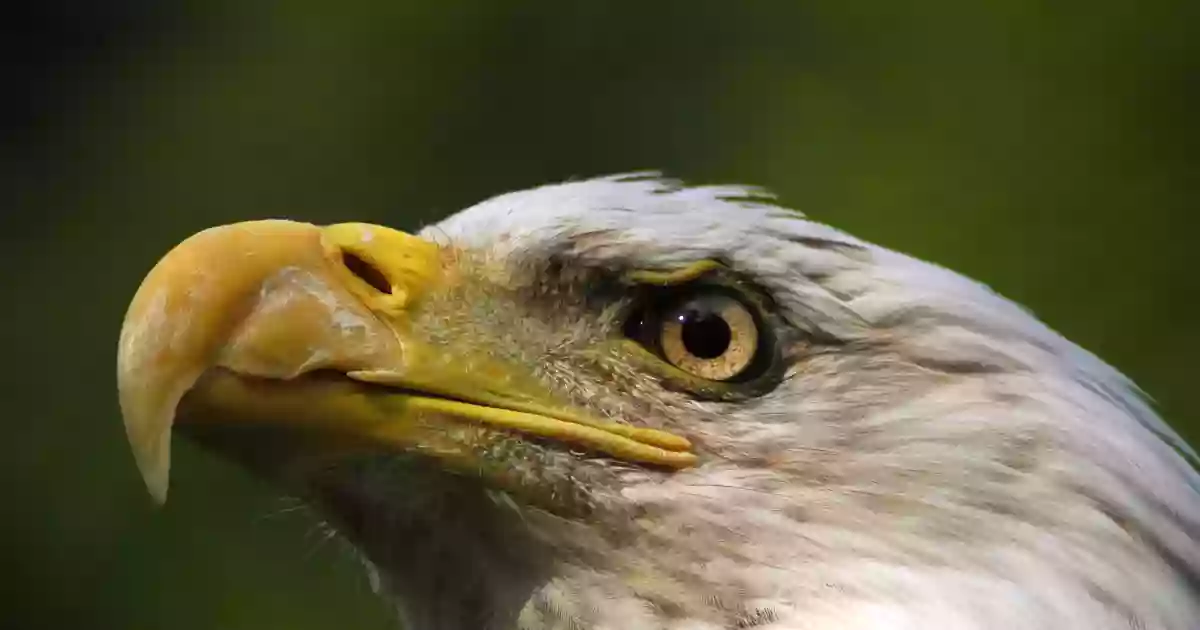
[(149, 437), (175, 322), (156, 468)]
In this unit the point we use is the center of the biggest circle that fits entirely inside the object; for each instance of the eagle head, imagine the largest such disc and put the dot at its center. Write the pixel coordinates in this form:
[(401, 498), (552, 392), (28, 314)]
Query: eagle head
[(627, 403)]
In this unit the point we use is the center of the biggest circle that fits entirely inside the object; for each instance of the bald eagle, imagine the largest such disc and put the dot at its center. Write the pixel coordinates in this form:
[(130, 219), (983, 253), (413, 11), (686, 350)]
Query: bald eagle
[(626, 403)]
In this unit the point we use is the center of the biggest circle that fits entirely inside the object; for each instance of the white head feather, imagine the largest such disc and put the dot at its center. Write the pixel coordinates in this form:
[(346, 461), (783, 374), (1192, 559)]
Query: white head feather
[(954, 464)]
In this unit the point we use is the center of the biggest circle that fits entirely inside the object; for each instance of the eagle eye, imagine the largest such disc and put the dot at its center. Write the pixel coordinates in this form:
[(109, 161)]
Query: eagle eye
[(707, 332), (710, 336)]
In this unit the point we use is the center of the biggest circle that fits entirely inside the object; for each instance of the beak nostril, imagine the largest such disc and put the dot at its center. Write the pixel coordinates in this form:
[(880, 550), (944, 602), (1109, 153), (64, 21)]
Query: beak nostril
[(366, 272)]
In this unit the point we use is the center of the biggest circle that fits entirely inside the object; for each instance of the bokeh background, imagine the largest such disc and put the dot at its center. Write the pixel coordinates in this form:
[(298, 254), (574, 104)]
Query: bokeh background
[(1046, 149)]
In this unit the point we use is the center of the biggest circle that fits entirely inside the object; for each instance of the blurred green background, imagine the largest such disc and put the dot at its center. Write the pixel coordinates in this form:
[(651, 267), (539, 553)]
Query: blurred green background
[(1050, 151)]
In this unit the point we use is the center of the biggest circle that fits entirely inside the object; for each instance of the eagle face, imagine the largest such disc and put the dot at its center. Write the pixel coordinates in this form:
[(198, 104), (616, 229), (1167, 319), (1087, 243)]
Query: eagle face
[(626, 403)]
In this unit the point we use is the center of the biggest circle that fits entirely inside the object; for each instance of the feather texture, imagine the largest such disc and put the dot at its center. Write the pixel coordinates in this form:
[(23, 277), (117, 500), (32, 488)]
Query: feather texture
[(939, 458)]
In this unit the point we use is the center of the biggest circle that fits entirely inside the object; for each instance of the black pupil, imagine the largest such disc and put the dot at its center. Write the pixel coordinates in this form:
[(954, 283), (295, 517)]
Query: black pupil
[(705, 334)]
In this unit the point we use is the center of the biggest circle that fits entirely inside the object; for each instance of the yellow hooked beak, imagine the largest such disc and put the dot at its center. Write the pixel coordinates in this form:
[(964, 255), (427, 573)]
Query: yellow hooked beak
[(248, 320)]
